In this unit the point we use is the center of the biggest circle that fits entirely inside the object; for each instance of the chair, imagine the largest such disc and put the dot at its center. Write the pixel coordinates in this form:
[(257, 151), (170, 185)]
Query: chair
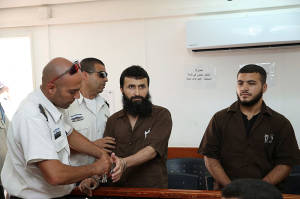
[(292, 182), (183, 181), (295, 169), (188, 173)]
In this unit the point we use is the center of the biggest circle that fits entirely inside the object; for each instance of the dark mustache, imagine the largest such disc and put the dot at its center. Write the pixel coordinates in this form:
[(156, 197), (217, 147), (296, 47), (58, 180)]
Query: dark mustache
[(245, 93), (137, 97)]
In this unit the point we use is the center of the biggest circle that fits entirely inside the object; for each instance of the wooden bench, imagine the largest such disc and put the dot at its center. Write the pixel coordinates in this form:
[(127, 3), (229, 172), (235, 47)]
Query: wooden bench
[(119, 192), (183, 152), (173, 152)]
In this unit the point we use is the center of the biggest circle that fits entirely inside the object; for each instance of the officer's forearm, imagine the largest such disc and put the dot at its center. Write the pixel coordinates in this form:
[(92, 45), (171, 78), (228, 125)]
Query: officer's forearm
[(277, 174), (81, 144), (216, 170), (56, 173)]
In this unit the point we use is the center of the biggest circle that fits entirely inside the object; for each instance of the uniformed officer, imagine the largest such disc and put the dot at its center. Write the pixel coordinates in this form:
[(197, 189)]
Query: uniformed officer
[(3, 129), (88, 114), (39, 140)]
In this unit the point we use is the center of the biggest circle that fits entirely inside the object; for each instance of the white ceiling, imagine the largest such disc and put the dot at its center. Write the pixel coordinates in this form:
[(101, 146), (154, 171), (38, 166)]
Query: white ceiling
[(27, 3)]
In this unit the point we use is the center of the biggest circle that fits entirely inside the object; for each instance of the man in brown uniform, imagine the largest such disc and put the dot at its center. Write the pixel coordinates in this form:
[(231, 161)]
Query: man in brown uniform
[(249, 139), (142, 132)]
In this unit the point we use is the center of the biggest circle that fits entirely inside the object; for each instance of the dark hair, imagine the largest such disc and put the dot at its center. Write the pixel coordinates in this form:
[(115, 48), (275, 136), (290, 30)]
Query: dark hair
[(253, 68), (87, 64), (134, 71), (251, 189)]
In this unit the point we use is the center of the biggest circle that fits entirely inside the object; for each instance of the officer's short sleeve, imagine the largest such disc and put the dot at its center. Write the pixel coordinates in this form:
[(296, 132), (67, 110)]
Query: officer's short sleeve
[(67, 122), (68, 129), (159, 136), (210, 143), (35, 140)]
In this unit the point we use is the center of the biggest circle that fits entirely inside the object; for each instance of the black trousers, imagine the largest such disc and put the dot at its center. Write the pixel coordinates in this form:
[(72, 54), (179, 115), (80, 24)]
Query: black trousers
[(2, 196)]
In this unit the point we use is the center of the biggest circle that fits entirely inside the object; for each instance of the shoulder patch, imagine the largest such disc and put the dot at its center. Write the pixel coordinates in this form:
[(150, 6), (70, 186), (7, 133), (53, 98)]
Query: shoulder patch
[(77, 117)]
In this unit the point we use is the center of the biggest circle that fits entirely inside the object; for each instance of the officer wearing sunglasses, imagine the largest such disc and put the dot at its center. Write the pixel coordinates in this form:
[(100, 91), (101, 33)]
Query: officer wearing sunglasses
[(37, 163), (88, 114), (101, 74)]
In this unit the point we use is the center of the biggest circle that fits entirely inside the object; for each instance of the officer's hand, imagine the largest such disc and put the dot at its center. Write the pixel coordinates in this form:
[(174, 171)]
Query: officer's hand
[(106, 143), (103, 164)]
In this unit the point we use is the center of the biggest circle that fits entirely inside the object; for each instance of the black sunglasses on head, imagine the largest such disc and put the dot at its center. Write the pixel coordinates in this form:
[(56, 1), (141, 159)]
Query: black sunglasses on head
[(72, 70), (101, 74)]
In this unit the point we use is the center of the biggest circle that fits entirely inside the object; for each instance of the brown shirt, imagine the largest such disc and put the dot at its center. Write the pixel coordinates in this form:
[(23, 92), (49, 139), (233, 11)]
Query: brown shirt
[(271, 141), (152, 131)]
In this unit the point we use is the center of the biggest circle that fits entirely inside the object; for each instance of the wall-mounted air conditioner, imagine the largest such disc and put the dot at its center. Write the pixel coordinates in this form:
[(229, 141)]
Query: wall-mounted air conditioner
[(252, 31)]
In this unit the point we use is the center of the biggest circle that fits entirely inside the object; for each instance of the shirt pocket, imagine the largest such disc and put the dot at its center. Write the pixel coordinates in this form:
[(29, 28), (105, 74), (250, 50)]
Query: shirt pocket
[(146, 137)]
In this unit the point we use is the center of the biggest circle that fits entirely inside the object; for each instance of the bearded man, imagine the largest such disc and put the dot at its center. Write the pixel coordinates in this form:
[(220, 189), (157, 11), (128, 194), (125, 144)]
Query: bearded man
[(249, 139), (141, 131)]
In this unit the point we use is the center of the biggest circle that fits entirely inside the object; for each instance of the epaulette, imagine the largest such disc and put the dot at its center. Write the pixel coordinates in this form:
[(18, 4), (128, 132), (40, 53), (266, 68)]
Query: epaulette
[(42, 110), (107, 103)]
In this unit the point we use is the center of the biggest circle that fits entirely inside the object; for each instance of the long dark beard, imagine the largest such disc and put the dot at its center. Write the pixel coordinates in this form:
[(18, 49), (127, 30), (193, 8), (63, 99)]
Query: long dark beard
[(251, 102), (142, 108)]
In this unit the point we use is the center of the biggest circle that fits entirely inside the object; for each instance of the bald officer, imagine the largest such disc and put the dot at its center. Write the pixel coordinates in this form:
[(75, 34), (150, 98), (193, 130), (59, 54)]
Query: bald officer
[(39, 141)]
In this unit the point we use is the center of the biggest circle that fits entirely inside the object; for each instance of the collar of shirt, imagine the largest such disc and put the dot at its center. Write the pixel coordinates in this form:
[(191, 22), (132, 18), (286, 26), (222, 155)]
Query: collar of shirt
[(236, 108), (121, 114), (49, 106), (2, 113), (99, 101), (80, 100)]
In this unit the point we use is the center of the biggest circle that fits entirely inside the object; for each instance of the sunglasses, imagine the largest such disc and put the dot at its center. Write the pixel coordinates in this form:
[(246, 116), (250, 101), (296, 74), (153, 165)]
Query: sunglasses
[(101, 74), (72, 70)]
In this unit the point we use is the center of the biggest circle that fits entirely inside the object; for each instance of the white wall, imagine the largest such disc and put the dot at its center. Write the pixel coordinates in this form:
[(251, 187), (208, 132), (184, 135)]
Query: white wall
[(152, 34)]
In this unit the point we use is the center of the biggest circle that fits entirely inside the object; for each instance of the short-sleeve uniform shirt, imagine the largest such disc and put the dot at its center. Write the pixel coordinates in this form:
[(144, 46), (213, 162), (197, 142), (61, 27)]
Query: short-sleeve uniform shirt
[(89, 118), (151, 131), (37, 132), (271, 141), (4, 123)]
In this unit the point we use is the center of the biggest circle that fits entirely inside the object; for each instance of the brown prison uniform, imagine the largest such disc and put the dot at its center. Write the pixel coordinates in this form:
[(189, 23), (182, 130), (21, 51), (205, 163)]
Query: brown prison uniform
[(151, 131), (271, 141)]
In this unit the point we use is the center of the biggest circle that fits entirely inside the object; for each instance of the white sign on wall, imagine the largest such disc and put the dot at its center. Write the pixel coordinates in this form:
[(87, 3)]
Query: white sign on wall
[(200, 77)]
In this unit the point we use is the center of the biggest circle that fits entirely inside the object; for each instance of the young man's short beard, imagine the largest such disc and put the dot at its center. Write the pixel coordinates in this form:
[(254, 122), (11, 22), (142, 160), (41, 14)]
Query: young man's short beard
[(141, 108), (251, 102)]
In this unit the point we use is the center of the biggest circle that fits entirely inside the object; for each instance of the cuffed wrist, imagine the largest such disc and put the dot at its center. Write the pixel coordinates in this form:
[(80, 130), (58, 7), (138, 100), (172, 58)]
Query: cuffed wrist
[(124, 164)]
